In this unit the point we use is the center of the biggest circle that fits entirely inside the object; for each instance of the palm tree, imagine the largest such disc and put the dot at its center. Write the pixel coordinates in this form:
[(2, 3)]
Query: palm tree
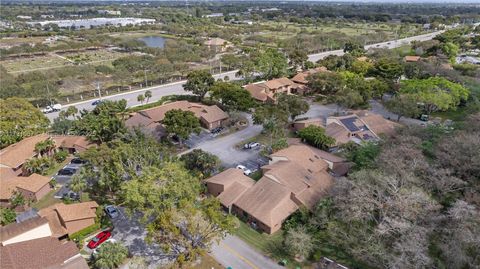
[(78, 183), (110, 255), (148, 95), (40, 148), (141, 98), (50, 146)]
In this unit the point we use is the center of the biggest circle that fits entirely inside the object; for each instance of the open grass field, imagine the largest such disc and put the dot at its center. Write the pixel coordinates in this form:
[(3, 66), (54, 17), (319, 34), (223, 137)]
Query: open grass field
[(52, 60)]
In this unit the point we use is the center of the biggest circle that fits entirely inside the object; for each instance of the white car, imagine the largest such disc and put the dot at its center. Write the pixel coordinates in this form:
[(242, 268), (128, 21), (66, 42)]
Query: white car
[(52, 108), (245, 170), (251, 145)]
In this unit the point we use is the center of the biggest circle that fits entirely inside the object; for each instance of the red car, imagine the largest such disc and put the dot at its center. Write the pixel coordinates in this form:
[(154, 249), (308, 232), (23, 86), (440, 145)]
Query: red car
[(99, 239)]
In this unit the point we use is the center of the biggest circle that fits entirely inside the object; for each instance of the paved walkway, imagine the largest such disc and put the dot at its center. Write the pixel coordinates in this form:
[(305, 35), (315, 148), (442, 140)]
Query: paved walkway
[(233, 252)]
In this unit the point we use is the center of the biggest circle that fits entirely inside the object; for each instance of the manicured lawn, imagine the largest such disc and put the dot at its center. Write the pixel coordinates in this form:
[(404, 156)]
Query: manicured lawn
[(265, 243), (46, 201)]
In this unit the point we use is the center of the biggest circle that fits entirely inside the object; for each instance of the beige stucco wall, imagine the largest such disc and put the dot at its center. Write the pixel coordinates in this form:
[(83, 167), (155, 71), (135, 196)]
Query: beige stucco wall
[(38, 232)]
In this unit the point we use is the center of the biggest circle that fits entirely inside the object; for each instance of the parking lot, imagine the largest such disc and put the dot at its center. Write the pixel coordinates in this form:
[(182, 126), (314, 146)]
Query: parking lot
[(64, 180)]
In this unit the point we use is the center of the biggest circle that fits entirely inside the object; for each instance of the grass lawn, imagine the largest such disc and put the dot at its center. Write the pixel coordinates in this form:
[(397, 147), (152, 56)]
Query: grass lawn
[(265, 243), (46, 201)]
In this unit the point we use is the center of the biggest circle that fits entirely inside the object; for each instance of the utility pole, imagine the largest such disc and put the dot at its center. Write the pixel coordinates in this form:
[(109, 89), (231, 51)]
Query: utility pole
[(99, 92), (145, 75)]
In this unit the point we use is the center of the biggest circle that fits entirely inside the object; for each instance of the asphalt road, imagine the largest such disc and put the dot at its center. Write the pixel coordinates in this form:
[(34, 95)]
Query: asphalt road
[(177, 88), (387, 44), (157, 93), (233, 252)]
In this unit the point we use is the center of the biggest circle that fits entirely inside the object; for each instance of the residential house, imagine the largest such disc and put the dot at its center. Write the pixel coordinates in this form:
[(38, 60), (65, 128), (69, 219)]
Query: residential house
[(70, 218), (32, 188), (72, 143), (301, 124), (266, 91), (301, 79), (45, 252), (30, 229), (218, 44), (358, 127), (295, 177), (15, 155), (149, 120)]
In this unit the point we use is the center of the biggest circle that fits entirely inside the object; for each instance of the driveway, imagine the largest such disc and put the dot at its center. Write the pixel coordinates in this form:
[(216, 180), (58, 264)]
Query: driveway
[(131, 233), (378, 108), (224, 147), (233, 252), (320, 111)]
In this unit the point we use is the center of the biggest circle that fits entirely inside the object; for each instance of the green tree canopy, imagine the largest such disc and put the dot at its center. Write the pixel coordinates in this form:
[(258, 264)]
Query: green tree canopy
[(19, 119), (272, 64), (181, 123), (232, 96), (104, 123), (315, 136), (201, 162), (403, 105), (293, 105), (436, 93), (110, 256), (199, 82)]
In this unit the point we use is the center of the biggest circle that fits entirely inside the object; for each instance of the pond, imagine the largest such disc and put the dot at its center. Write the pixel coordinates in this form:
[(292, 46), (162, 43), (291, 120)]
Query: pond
[(154, 41)]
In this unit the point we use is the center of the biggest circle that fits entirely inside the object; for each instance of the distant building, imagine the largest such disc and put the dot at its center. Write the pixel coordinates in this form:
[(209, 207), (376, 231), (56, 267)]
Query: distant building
[(95, 22), (47, 16), (213, 15), (218, 44), (110, 12), (22, 17)]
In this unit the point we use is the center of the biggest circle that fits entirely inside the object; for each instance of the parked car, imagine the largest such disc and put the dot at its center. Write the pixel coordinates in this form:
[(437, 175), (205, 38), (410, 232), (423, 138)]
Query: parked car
[(52, 108), (245, 170), (251, 145), (77, 161), (71, 195), (216, 130), (111, 211), (97, 102), (99, 239), (67, 171)]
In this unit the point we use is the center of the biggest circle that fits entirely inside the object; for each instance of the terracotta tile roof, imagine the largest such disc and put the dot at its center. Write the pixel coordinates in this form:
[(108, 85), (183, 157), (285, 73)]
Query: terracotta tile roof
[(16, 154), (40, 253), (71, 212), (412, 58), (302, 77), (267, 201), (278, 83), (338, 132), (303, 156), (33, 183), (77, 211), (154, 115), (13, 229), (378, 124), (54, 222), (257, 91), (234, 183), (7, 173), (73, 141)]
